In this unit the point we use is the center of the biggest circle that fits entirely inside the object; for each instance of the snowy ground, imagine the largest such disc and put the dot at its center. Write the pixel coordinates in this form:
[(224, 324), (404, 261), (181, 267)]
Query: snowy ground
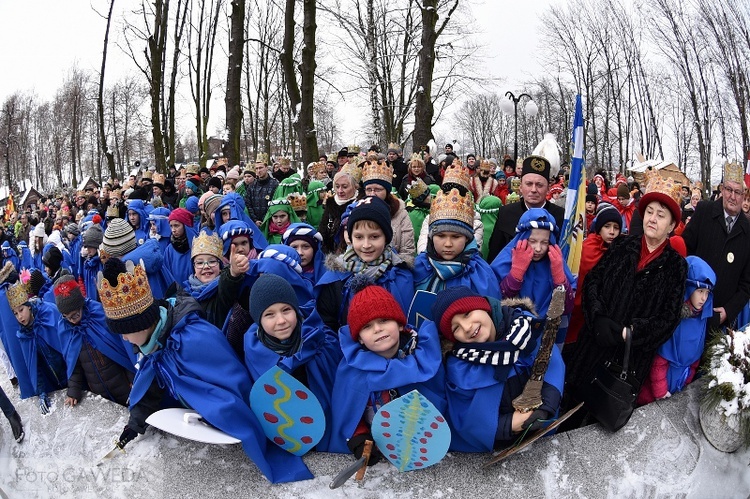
[(660, 453)]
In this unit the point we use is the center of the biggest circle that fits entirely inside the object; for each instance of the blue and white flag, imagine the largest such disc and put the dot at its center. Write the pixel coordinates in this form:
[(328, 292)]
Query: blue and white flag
[(573, 227)]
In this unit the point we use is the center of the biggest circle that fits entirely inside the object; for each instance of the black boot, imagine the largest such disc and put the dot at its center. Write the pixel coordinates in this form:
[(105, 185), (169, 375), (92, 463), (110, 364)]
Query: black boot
[(14, 382), (16, 426)]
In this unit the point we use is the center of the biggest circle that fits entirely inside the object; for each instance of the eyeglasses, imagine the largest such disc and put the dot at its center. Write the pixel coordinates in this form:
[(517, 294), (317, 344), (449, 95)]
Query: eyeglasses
[(73, 316), (202, 264), (736, 192)]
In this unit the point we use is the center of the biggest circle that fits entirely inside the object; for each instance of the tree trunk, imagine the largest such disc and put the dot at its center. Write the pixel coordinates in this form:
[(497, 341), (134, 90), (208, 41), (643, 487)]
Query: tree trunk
[(233, 99), (100, 99), (156, 50)]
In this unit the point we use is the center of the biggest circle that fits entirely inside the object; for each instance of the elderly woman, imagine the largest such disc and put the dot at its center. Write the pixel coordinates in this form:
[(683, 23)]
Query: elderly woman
[(345, 191), (639, 283)]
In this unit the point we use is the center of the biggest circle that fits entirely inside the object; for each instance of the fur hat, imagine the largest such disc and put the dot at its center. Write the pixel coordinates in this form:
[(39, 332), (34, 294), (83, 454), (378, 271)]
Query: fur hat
[(372, 302), (119, 238), (36, 282), (374, 209), (267, 290), (68, 295), (126, 297), (452, 301)]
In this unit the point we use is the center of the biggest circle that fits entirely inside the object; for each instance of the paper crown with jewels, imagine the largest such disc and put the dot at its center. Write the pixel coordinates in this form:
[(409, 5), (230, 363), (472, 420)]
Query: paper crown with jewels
[(378, 172), (131, 297), (663, 189), (205, 244), (298, 201), (416, 156), (192, 169), (456, 175), (160, 178), (315, 169), (452, 205), (353, 171), (262, 157), (353, 149), (18, 294), (485, 165), (419, 192), (733, 172)]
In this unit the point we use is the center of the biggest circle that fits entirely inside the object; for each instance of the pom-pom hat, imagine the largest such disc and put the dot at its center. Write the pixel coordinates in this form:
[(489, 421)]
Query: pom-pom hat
[(68, 295), (374, 209)]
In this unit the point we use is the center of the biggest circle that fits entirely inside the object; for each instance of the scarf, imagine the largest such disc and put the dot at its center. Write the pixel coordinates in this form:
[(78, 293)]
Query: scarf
[(273, 228), (500, 354), (196, 286), (342, 202), (447, 269), (374, 270), (648, 257), (287, 347), (181, 244)]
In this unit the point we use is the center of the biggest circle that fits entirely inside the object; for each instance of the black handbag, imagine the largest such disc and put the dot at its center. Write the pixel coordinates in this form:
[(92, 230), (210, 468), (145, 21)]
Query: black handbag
[(611, 394)]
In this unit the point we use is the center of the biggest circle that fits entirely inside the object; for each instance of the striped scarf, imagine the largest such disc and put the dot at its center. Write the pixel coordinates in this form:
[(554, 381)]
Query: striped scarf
[(375, 269), (447, 269)]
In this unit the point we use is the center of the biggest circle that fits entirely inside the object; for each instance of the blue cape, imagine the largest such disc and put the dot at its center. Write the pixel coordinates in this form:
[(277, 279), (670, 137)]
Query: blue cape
[(76, 266), (159, 277), (180, 265), (141, 232), (90, 269), (10, 254), (477, 275), (42, 337), (236, 203), (362, 372), (187, 367), (319, 354), (8, 327), (319, 260), (26, 260), (93, 327), (303, 288)]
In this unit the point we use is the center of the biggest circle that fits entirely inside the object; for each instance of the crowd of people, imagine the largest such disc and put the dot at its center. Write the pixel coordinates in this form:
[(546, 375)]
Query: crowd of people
[(182, 289)]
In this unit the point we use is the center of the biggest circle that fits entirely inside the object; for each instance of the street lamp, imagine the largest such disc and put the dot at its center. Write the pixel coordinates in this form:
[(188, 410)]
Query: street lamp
[(511, 106)]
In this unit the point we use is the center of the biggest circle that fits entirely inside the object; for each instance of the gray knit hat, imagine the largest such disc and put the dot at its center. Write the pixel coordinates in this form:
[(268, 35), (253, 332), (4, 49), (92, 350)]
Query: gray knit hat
[(212, 202), (93, 236), (68, 295), (119, 238)]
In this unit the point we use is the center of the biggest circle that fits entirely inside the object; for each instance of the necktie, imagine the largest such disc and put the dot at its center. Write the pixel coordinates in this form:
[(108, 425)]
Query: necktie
[(729, 224)]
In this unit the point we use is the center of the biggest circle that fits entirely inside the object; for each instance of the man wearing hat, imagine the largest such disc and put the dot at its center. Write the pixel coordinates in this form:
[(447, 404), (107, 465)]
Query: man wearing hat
[(534, 186), (719, 234), (342, 158)]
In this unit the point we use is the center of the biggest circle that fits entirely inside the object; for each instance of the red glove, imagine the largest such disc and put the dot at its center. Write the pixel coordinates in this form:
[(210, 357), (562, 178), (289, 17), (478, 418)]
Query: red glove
[(556, 265), (520, 259)]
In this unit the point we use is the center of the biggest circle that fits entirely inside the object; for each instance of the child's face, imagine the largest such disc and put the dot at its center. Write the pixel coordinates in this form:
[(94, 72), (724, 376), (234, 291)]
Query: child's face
[(91, 251), (139, 338), (473, 327), (226, 214), (280, 217), (367, 242), (304, 250), (381, 336), (449, 245), (609, 232), (746, 205), (279, 320), (302, 215), (206, 268), (23, 314), (699, 297), (178, 230), (134, 218), (590, 206), (74, 317), (539, 241)]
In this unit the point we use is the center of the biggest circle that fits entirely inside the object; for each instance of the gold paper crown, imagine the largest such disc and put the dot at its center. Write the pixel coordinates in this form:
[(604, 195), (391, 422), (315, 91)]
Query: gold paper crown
[(356, 160), (159, 178), (353, 170), (515, 184), (371, 156), (130, 297), (485, 165), (663, 185), (112, 211), (416, 156), (298, 201), (452, 206), (207, 245), (262, 158), (353, 149), (17, 294), (192, 169), (148, 174), (222, 162), (393, 145), (456, 174), (418, 188), (315, 169), (733, 172), (285, 161), (377, 170)]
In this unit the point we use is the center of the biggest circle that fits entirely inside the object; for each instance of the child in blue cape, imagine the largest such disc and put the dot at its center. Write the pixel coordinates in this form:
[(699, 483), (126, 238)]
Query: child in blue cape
[(453, 257), (677, 360), (369, 257), (531, 266), (308, 243), (159, 228), (96, 359), (284, 262), (494, 346), (26, 260), (177, 256), (282, 335), (384, 358), (138, 219), (91, 264), (232, 207), (187, 358), (41, 344), (9, 255)]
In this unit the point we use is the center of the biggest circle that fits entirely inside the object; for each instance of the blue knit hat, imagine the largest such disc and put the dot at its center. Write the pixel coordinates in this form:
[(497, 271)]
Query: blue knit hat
[(605, 213), (191, 204), (232, 229), (452, 301), (266, 291), (374, 209)]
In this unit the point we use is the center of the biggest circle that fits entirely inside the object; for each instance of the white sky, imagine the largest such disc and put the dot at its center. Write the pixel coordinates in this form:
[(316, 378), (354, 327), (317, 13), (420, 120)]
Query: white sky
[(37, 56)]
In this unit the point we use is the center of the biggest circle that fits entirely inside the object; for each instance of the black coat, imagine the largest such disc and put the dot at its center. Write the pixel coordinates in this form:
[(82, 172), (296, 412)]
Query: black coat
[(706, 237), (99, 374), (329, 226), (507, 219), (649, 301)]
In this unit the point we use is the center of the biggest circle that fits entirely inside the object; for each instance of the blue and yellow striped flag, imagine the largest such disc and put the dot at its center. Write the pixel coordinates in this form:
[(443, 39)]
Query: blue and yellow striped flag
[(572, 232)]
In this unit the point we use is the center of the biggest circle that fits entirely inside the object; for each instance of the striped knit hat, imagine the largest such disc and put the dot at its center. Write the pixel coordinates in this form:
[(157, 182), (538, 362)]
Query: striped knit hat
[(119, 238)]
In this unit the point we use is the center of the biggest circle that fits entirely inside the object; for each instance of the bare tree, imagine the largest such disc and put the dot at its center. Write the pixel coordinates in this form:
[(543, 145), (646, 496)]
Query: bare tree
[(233, 100), (100, 99)]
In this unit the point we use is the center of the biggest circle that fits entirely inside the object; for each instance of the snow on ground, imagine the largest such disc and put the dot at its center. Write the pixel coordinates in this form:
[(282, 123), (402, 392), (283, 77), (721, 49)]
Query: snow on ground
[(660, 453)]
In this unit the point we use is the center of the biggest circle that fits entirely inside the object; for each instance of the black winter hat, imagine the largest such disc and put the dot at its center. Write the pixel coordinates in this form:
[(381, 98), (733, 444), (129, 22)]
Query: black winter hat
[(605, 212), (36, 282), (53, 258), (267, 290), (215, 182), (68, 296), (375, 209)]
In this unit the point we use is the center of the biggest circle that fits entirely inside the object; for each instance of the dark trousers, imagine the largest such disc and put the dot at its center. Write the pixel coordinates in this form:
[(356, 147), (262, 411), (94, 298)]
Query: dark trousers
[(6, 405)]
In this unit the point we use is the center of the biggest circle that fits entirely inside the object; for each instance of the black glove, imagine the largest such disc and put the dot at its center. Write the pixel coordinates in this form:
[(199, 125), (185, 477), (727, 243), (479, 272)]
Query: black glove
[(608, 332), (538, 420), (356, 444), (126, 436)]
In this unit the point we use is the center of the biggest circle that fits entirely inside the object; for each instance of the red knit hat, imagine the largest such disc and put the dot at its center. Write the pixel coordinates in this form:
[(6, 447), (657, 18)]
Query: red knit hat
[(182, 215), (452, 301), (373, 302)]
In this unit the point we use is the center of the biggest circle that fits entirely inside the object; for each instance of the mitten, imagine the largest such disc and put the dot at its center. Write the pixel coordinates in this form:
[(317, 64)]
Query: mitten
[(539, 419), (557, 267), (127, 435), (520, 259), (520, 332), (356, 444)]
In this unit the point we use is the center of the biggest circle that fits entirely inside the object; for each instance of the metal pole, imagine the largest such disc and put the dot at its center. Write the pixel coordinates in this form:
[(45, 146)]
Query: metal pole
[(515, 101)]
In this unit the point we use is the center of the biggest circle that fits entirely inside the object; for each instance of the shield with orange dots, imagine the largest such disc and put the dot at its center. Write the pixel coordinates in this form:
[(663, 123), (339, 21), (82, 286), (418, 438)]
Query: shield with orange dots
[(289, 413), (411, 433)]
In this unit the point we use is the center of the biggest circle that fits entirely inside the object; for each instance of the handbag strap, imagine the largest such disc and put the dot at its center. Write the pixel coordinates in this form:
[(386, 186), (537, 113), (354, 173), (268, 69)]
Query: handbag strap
[(626, 356)]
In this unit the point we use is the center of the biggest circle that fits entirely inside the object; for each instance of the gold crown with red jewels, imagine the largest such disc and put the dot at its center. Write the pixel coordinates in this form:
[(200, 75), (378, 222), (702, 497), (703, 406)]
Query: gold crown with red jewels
[(456, 173), (664, 185), (131, 296), (298, 201), (452, 205), (377, 170), (205, 244)]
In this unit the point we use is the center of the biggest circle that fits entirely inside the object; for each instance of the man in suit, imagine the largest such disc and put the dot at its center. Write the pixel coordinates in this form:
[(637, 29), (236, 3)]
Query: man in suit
[(534, 186), (719, 233)]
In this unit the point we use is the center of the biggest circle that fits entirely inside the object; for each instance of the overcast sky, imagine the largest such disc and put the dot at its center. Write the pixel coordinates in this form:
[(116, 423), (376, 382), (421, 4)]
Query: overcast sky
[(37, 55)]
